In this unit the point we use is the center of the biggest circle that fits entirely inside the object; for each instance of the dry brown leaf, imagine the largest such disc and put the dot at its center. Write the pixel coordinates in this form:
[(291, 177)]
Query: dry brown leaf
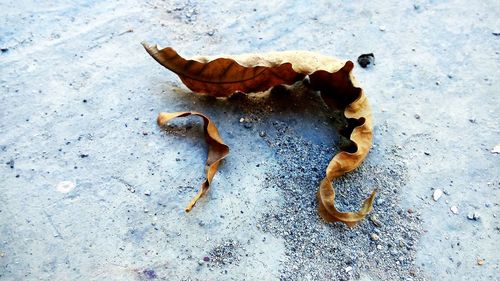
[(217, 149), (333, 78), (222, 77)]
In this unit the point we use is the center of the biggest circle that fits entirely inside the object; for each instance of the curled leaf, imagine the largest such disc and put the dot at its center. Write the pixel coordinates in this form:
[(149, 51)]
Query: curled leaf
[(339, 93), (217, 149), (333, 78)]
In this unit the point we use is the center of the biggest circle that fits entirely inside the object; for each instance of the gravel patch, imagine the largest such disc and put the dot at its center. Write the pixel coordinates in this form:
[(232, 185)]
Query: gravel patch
[(384, 245)]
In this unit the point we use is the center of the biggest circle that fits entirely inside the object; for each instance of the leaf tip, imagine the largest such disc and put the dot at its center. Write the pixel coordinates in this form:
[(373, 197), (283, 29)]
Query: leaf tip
[(162, 119), (146, 45), (150, 48)]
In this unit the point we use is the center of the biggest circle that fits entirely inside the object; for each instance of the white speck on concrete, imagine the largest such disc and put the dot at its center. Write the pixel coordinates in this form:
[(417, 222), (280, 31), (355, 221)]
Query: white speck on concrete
[(437, 194), (65, 186), (496, 149)]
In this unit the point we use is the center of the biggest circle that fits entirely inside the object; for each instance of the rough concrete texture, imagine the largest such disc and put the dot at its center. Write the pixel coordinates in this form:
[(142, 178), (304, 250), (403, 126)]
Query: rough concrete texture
[(78, 102)]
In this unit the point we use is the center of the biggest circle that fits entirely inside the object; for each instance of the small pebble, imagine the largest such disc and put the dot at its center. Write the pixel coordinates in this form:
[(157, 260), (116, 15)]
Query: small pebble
[(147, 193), (382, 28), (379, 247), (437, 194), (366, 59), (417, 116), (374, 237), (454, 209), (380, 201), (374, 219), (206, 259), (473, 216), (242, 120), (480, 261)]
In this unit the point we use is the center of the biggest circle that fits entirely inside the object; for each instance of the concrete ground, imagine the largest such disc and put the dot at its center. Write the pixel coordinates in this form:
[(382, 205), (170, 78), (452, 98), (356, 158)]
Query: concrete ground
[(92, 189)]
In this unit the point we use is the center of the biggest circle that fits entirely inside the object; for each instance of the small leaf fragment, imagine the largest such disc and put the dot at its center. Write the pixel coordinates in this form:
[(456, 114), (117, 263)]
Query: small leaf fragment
[(217, 149)]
